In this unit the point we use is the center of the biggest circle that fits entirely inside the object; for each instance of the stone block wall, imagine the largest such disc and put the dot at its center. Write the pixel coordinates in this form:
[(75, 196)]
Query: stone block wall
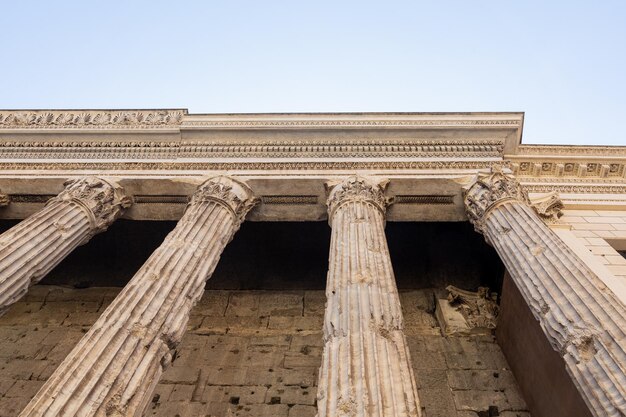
[(253, 353), (603, 232)]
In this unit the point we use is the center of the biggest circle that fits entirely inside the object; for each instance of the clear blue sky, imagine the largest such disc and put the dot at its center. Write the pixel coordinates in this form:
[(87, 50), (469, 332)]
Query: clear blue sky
[(561, 62)]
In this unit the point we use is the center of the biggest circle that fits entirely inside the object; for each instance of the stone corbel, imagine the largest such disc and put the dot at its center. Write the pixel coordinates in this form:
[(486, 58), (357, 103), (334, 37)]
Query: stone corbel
[(549, 207)]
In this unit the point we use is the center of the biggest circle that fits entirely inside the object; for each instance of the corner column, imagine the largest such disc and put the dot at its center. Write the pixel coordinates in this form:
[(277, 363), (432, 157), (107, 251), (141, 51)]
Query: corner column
[(581, 318), (366, 367), (35, 246), (114, 368)]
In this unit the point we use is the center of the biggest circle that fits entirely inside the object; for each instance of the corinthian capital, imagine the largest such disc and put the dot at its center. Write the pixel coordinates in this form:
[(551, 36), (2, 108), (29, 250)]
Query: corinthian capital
[(236, 196), (357, 189), (103, 200), (489, 190)]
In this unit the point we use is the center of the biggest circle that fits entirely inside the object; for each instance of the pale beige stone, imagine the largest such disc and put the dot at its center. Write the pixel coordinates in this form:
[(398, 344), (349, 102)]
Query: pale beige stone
[(31, 249), (366, 368), (116, 365), (581, 317)]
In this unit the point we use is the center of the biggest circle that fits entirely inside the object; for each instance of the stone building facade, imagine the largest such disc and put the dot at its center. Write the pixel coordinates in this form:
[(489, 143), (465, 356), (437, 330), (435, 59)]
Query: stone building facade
[(161, 263)]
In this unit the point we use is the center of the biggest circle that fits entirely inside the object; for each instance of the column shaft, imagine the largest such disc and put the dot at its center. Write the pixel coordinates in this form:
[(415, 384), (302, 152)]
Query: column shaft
[(580, 316), (36, 245), (366, 368), (116, 365)]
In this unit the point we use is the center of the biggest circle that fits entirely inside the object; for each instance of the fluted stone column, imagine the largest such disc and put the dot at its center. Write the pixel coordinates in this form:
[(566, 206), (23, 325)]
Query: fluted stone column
[(32, 248), (580, 316), (366, 367), (114, 368)]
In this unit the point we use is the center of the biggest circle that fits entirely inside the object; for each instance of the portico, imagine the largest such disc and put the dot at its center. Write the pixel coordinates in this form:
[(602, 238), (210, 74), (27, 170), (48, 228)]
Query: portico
[(355, 171)]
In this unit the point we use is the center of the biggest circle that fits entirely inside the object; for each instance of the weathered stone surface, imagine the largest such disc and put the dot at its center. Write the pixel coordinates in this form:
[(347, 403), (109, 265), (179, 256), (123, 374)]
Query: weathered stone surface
[(581, 317), (366, 367), (31, 249), (116, 365), (42, 346)]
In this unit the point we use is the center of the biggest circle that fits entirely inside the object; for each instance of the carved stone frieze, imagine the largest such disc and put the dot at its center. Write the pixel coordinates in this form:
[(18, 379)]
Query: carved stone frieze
[(618, 151), (103, 200), (567, 167), (489, 190), (90, 119), (549, 207), (4, 200), (576, 189), (197, 122), (54, 149), (480, 309), (357, 189)]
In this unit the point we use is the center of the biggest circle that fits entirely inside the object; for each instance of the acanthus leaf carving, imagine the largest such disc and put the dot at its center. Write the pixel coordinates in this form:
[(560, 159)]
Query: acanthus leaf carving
[(479, 309), (549, 207), (103, 200), (357, 188), (232, 194), (90, 119), (489, 190)]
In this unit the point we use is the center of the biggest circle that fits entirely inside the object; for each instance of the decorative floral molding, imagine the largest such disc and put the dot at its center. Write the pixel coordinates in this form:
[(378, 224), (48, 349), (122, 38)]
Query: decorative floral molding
[(569, 168), (285, 123), (619, 151), (90, 119), (212, 166), (576, 189), (257, 149)]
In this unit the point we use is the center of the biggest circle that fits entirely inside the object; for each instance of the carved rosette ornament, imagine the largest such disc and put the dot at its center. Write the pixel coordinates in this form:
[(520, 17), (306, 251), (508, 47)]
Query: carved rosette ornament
[(114, 368), (31, 249), (580, 316), (366, 368)]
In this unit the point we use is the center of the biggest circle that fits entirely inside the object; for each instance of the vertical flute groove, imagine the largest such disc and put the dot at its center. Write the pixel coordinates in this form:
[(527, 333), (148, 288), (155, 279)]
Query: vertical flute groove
[(366, 369), (36, 245), (580, 316), (115, 366)]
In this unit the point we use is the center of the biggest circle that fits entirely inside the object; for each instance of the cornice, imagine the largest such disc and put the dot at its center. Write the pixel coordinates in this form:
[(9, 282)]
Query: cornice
[(330, 121), (358, 148), (569, 168), (571, 150), (89, 119), (141, 118), (249, 165), (575, 189)]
